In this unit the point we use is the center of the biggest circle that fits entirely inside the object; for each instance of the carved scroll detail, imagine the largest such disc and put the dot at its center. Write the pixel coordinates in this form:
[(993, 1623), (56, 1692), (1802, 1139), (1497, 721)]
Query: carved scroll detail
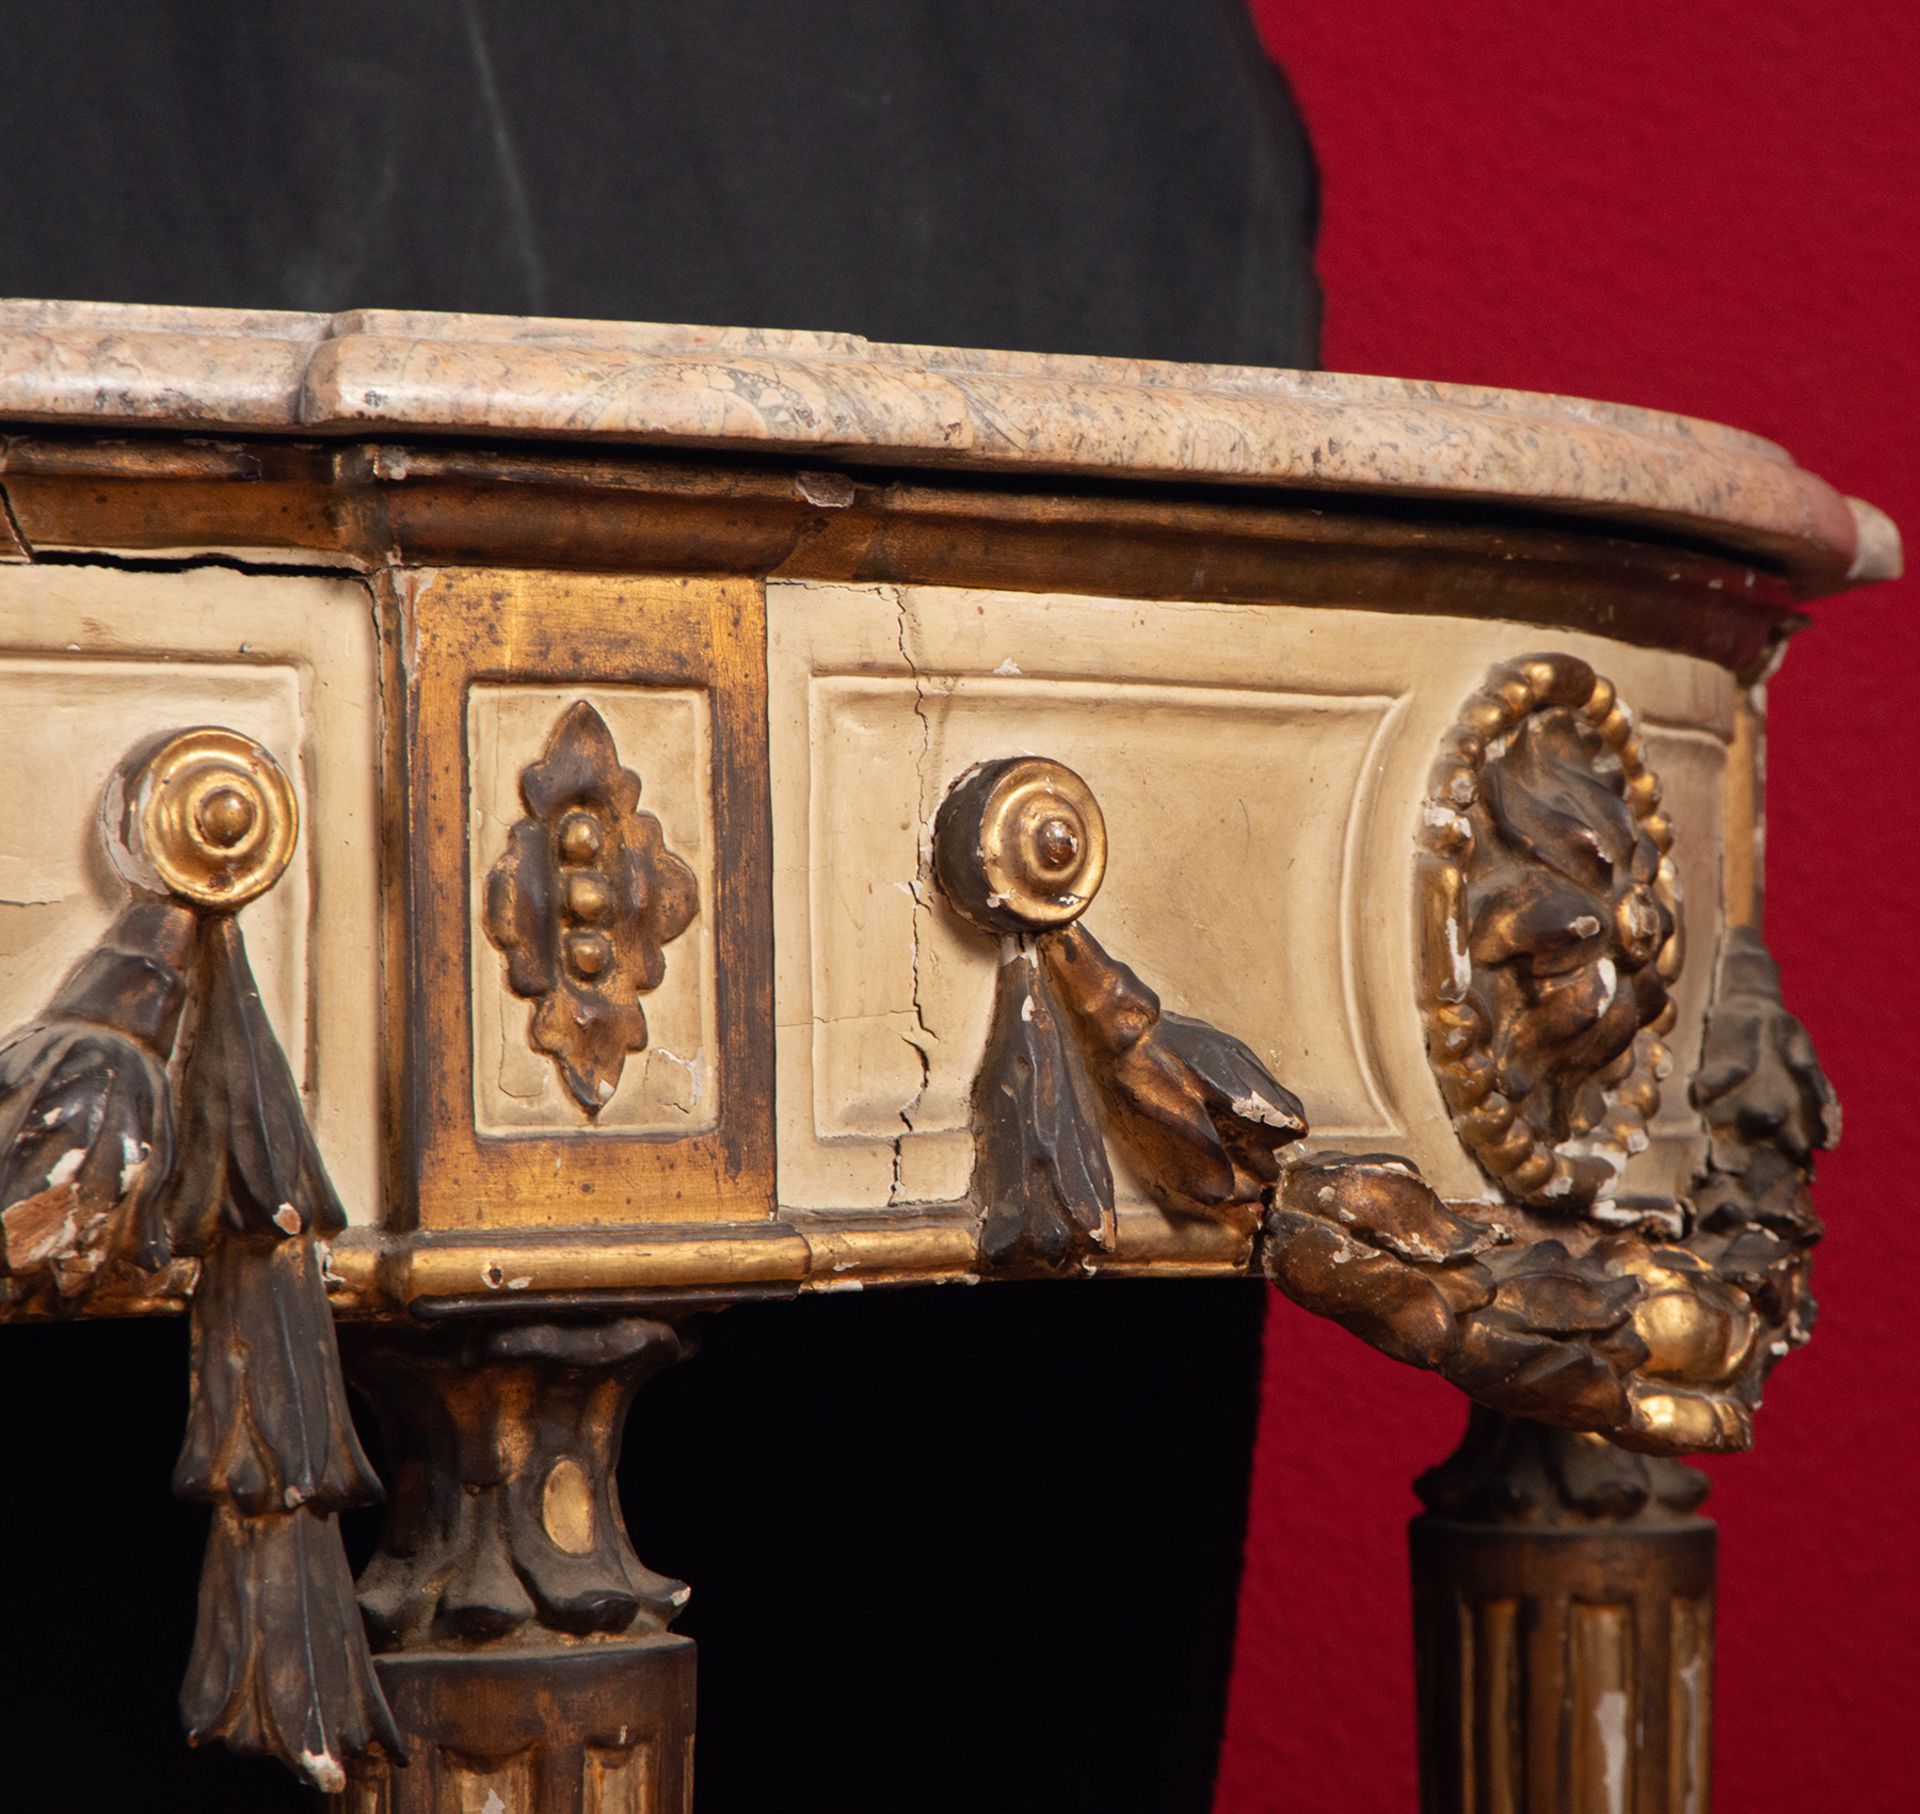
[(1079, 1047), (1552, 932), (112, 1165), (582, 904)]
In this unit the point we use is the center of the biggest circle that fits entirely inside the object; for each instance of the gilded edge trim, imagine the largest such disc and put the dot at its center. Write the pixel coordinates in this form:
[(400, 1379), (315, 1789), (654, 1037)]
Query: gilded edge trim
[(370, 1271), (813, 1253)]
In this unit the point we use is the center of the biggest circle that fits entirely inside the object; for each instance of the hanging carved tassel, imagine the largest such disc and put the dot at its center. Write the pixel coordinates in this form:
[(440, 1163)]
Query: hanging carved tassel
[(1044, 1181), (97, 1180), (280, 1661)]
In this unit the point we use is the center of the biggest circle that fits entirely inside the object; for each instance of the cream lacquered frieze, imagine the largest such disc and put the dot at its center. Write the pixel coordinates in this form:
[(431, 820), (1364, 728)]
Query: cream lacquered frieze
[(1263, 773), (94, 661)]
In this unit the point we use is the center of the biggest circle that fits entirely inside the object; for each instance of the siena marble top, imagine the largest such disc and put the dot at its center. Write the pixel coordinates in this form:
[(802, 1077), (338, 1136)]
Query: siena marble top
[(840, 398)]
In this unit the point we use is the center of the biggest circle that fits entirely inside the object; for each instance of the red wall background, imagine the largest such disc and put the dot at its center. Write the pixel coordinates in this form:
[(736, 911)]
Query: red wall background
[(1705, 206)]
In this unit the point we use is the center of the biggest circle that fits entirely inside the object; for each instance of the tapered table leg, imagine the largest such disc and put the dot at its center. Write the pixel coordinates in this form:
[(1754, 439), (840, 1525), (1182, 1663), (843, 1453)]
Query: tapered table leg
[(1563, 1624), (523, 1646)]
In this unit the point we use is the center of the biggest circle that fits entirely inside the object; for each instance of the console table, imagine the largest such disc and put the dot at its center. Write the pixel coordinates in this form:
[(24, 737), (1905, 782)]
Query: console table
[(520, 834)]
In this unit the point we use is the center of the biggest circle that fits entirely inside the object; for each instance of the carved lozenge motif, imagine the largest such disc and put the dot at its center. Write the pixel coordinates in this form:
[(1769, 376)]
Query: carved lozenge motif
[(583, 903)]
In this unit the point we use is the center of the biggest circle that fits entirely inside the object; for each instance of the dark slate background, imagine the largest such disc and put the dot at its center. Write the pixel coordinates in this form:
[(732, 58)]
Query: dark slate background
[(951, 1549)]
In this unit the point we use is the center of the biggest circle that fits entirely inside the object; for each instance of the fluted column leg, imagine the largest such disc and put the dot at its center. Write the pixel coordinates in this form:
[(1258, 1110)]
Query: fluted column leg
[(1563, 1624)]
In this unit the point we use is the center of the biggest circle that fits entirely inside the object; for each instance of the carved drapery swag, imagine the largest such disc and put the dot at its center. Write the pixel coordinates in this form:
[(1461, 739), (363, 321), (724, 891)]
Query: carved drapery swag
[(582, 904), (1079, 1047), (1554, 915), (149, 1113)]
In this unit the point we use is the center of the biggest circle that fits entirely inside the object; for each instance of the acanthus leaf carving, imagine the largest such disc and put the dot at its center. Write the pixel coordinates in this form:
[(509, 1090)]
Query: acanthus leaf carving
[(505, 1520)]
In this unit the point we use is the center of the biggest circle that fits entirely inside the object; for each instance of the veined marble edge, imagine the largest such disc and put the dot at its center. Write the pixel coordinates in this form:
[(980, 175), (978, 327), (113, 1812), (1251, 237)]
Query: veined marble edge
[(138, 365)]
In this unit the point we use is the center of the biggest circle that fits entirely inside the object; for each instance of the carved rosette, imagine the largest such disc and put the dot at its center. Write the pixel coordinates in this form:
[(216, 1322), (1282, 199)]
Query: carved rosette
[(582, 904), (1552, 932)]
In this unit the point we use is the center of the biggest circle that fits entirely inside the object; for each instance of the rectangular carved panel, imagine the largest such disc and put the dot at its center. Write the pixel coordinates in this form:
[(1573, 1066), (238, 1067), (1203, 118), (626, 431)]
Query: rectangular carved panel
[(540, 1097), (663, 735)]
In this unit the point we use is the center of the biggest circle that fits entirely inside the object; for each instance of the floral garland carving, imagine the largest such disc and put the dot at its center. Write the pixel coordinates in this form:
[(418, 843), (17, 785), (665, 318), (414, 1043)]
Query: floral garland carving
[(1552, 932)]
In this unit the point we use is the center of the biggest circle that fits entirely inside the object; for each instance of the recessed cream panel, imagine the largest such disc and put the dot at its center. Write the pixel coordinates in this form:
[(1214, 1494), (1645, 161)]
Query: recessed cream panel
[(1262, 770), (93, 661), (1692, 766), (662, 734)]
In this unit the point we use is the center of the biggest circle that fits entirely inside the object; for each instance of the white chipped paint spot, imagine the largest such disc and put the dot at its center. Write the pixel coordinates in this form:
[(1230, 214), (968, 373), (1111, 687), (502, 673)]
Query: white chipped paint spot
[(604, 1090), (1444, 818), (518, 1284), (66, 1167), (1460, 962), (685, 1095), (1585, 925), (133, 1155), (287, 1219), (1255, 1107), (1009, 666), (1691, 1719), (1026, 1007), (1776, 1349), (840, 1285), (1610, 1715), (680, 1596), (996, 900), (292, 1498), (493, 1804), (1325, 1196), (1609, 975), (1561, 1186), (323, 1770)]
